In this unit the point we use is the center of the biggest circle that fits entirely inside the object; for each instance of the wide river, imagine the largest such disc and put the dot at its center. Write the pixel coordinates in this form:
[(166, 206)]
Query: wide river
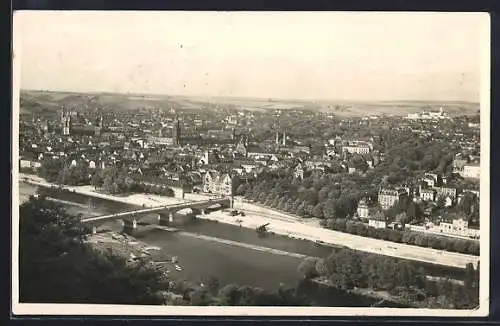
[(229, 263)]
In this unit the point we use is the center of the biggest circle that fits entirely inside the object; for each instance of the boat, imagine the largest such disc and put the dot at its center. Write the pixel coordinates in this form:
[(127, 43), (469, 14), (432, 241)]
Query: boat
[(178, 268), (152, 248)]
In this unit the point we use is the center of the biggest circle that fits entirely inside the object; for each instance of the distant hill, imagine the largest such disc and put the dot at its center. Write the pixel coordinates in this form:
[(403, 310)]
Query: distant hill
[(36, 101)]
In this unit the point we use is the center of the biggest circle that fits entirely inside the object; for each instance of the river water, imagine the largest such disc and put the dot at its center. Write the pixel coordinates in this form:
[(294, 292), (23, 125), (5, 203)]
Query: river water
[(232, 264)]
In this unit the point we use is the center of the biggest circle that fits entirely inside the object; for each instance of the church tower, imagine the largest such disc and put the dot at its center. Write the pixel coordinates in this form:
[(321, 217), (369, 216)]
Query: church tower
[(66, 122), (241, 147), (177, 132)]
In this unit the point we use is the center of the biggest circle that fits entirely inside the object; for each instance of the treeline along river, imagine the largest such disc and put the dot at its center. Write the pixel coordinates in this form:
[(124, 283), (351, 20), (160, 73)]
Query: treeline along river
[(233, 264)]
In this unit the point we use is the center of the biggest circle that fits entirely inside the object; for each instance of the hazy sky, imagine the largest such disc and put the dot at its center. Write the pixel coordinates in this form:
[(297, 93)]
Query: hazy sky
[(350, 56)]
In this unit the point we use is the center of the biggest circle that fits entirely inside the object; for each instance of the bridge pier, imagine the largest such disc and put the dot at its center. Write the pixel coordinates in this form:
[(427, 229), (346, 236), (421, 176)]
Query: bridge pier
[(90, 228), (198, 211), (129, 225), (171, 217)]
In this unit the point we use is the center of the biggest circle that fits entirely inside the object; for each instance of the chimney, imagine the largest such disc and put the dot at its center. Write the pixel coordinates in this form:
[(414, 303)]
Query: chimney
[(284, 138), (277, 138)]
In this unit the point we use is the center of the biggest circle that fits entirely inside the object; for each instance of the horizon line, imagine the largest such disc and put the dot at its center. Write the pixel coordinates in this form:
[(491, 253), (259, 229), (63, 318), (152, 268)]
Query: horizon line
[(247, 97)]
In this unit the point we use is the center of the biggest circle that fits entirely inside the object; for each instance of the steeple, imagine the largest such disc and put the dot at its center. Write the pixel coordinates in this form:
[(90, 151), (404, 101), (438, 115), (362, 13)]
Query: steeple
[(177, 131)]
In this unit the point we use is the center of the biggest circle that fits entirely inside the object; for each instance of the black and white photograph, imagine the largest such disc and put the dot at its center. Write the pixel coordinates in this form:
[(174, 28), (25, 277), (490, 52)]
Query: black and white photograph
[(250, 163)]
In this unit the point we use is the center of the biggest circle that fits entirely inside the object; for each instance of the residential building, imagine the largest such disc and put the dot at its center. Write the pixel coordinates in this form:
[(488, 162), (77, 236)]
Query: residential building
[(363, 211), (299, 172), (471, 171), (217, 183), (458, 227), (357, 147), (427, 194), (389, 197), (446, 192), (378, 224)]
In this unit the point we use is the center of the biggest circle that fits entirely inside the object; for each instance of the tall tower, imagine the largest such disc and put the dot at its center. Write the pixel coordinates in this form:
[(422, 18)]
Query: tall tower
[(66, 122), (284, 138), (63, 115), (277, 138), (177, 131)]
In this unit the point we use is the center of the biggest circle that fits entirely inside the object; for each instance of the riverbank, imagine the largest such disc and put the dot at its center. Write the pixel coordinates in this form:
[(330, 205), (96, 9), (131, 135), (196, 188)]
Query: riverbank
[(123, 245), (144, 200), (381, 296), (287, 227)]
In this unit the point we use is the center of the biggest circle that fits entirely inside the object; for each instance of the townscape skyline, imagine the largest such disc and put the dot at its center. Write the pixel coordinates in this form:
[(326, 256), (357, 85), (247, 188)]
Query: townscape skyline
[(352, 56)]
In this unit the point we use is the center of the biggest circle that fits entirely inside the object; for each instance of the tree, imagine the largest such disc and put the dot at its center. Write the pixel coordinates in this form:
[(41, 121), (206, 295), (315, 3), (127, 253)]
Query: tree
[(408, 237), (301, 211), (421, 240), (329, 209), (318, 211), (274, 203), (241, 189), (401, 218), (281, 203), (50, 169), (440, 202), (414, 212), (351, 228), (323, 194), (211, 284), (200, 297), (473, 248), (97, 181), (229, 295), (308, 267), (467, 203), (269, 199)]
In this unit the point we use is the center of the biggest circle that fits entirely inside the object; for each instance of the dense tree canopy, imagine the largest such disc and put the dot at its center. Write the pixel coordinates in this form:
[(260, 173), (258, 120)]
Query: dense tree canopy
[(348, 269)]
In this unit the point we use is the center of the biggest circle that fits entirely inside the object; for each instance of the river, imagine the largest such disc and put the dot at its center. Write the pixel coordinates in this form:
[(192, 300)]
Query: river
[(228, 263)]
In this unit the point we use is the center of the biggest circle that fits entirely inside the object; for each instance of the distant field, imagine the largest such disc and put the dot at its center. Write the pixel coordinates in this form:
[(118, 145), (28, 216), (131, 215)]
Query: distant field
[(38, 101)]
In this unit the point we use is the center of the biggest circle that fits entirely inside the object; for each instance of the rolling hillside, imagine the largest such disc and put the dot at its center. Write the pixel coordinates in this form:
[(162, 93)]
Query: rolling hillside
[(45, 101)]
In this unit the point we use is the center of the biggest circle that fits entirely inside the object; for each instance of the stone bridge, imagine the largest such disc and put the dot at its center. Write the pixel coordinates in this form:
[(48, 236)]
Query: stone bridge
[(130, 218)]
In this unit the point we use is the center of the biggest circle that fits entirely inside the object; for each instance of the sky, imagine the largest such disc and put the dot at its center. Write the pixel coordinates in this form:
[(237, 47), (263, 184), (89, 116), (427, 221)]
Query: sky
[(315, 55)]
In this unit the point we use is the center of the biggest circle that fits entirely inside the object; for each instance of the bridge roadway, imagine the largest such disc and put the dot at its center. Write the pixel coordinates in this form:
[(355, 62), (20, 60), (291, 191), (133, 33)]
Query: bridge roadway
[(202, 204)]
